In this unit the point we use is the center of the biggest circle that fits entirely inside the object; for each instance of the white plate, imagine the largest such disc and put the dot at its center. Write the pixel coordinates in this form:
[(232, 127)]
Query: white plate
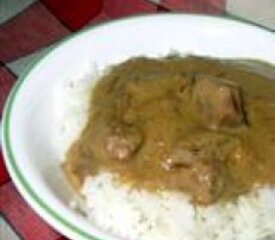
[(29, 125)]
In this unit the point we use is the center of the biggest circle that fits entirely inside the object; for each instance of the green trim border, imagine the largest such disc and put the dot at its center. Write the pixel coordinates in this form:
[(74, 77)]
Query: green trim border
[(11, 159)]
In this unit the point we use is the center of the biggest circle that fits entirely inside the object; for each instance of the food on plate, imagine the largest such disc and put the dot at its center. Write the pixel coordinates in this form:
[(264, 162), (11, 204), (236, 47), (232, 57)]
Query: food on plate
[(192, 128)]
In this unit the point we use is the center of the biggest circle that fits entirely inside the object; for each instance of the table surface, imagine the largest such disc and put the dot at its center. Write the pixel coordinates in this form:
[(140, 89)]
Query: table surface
[(29, 29)]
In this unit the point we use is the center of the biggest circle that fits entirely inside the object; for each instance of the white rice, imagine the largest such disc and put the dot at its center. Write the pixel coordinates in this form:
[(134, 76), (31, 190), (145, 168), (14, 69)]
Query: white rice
[(72, 104), (140, 215)]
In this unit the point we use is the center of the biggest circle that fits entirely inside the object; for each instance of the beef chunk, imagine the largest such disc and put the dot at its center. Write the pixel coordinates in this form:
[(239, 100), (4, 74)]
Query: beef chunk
[(203, 145), (203, 180), (219, 101), (207, 182), (123, 142), (198, 164), (115, 141), (181, 156)]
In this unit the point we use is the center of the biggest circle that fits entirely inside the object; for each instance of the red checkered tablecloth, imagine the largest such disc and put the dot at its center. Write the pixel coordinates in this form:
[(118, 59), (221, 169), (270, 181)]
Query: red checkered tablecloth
[(30, 28)]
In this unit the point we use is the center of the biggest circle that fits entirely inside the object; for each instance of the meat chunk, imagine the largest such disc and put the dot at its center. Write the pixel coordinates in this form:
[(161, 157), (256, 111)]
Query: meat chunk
[(198, 164), (122, 143), (115, 141), (181, 156), (203, 145), (219, 101), (203, 181), (207, 182)]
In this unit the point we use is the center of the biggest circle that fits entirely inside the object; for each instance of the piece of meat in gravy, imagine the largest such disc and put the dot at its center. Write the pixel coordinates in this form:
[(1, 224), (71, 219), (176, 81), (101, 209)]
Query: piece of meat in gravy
[(198, 164), (181, 157), (117, 141), (204, 180), (219, 101)]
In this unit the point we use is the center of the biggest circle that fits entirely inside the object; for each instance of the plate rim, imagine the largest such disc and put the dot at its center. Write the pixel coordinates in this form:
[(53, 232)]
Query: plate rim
[(44, 210)]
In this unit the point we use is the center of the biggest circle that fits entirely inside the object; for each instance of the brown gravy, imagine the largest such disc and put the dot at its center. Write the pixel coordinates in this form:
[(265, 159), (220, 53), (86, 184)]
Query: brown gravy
[(202, 126)]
